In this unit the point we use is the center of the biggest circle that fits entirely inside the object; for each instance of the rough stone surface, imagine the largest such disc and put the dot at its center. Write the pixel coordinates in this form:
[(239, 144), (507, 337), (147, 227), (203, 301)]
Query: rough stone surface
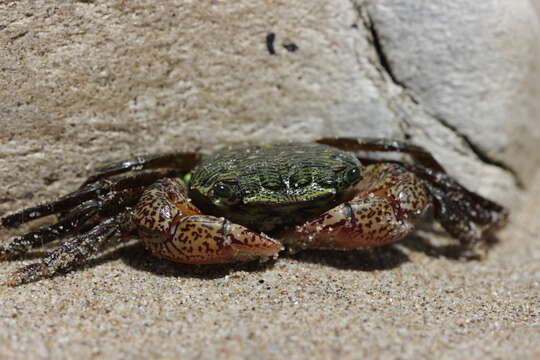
[(82, 82), (465, 64)]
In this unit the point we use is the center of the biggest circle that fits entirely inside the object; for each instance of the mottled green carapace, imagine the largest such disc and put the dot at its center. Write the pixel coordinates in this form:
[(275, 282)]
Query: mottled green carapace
[(265, 187)]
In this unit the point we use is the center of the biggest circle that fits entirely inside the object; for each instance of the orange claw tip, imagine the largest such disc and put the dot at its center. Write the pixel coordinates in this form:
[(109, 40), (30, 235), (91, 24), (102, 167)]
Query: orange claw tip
[(247, 244), (269, 250)]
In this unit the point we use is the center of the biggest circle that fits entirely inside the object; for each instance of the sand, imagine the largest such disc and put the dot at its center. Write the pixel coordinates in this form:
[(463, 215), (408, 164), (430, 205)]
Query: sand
[(406, 301)]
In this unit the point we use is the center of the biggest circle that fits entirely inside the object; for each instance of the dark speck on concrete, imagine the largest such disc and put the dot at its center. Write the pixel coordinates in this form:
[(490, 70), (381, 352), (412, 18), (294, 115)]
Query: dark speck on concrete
[(292, 47), (270, 43)]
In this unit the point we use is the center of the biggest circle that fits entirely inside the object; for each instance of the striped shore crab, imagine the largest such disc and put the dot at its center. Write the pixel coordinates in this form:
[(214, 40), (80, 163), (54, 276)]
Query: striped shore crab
[(246, 203)]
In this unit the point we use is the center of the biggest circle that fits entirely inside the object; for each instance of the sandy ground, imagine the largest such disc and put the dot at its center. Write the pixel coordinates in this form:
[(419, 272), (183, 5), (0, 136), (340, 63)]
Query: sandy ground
[(407, 301)]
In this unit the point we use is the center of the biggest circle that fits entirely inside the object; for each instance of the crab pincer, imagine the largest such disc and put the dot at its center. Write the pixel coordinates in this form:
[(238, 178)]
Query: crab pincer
[(175, 229), (385, 205)]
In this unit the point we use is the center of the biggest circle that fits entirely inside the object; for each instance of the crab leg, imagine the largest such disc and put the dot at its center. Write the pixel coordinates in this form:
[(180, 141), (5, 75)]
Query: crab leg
[(174, 229), (86, 215), (182, 162), (418, 153), (22, 244), (387, 202), (72, 252), (464, 214), (64, 203), (85, 193)]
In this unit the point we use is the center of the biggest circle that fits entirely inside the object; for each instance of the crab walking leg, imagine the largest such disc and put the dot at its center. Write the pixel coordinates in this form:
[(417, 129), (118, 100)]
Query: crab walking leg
[(182, 162), (173, 228), (71, 222), (64, 203), (387, 202), (85, 193), (418, 153), (464, 214), (84, 216), (70, 253)]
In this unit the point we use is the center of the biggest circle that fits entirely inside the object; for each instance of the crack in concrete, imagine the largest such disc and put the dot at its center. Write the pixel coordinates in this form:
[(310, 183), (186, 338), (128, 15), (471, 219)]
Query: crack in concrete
[(375, 61), (381, 55), (480, 154), (385, 66)]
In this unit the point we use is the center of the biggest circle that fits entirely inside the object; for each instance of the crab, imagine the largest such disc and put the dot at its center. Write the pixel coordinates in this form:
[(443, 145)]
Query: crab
[(246, 203)]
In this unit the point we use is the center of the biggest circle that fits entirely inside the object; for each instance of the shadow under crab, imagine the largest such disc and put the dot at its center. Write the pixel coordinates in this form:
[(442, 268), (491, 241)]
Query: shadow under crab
[(245, 203)]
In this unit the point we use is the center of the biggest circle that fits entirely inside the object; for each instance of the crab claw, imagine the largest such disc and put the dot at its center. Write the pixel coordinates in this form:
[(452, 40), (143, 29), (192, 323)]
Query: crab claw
[(175, 229), (203, 239), (385, 208)]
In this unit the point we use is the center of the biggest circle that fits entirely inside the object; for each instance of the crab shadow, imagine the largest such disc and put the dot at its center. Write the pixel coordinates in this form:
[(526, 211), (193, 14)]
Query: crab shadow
[(454, 251), (137, 257), (390, 256), (382, 258)]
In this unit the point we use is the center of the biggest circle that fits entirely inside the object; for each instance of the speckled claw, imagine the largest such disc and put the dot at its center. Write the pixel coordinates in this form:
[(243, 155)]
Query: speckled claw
[(387, 202), (174, 229), (202, 239), (353, 225)]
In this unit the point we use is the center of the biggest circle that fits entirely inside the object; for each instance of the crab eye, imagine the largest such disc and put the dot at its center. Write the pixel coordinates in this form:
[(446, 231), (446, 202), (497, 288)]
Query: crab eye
[(352, 175), (223, 191)]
